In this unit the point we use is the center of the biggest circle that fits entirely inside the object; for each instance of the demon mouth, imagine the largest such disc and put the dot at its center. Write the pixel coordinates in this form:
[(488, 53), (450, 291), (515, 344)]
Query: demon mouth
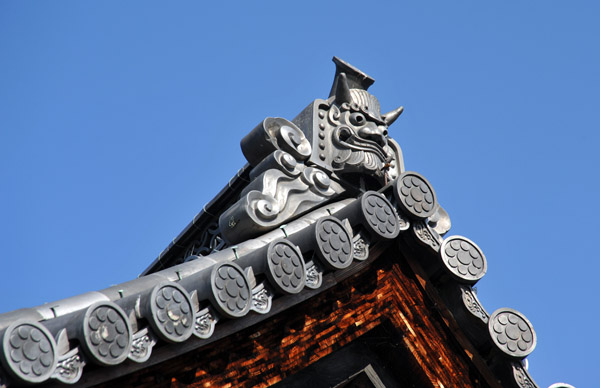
[(359, 152)]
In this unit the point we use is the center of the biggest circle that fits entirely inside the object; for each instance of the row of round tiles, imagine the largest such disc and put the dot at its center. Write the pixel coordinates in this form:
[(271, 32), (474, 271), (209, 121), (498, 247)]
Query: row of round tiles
[(510, 330), (29, 348), (461, 257), (107, 333)]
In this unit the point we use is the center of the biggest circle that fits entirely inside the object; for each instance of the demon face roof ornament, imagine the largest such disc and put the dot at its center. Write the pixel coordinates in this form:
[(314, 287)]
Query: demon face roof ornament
[(334, 147)]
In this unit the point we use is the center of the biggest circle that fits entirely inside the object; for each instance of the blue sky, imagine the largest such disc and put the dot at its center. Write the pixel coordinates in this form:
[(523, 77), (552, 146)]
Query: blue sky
[(119, 121)]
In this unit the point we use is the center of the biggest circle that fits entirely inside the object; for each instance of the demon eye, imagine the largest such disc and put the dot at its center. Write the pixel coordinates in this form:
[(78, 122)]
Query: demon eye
[(358, 119)]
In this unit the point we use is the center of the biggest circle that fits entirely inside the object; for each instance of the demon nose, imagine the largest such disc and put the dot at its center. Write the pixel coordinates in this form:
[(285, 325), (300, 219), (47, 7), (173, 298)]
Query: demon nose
[(376, 134)]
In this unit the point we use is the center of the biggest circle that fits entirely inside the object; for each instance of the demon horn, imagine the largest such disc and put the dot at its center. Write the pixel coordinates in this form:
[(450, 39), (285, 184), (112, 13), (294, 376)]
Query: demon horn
[(342, 91), (390, 117)]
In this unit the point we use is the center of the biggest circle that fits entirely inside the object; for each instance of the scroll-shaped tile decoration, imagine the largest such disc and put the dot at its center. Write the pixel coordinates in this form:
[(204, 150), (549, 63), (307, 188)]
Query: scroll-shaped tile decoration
[(274, 197), (523, 379), (170, 313), (512, 332), (472, 304), (206, 321), (286, 270), (231, 294), (141, 346), (70, 367), (262, 299), (334, 243), (426, 236), (28, 351), (379, 215), (275, 133), (415, 195), (314, 275), (106, 333), (360, 246), (463, 259), (281, 185)]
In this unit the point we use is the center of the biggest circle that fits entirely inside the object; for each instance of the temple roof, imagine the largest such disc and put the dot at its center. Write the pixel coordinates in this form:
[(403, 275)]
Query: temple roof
[(321, 198)]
